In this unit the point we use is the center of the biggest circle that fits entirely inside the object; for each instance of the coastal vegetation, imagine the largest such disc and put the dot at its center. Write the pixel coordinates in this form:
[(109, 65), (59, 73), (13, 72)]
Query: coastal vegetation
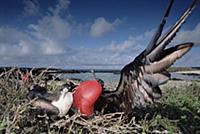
[(178, 111)]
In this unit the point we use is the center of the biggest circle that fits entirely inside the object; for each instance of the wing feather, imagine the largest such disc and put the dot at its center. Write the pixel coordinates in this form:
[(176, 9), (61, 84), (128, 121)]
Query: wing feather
[(156, 79), (158, 32), (45, 105), (171, 56), (165, 40), (140, 79)]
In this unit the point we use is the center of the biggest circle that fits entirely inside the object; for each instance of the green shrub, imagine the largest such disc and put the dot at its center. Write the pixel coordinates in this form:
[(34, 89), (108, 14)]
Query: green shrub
[(177, 112)]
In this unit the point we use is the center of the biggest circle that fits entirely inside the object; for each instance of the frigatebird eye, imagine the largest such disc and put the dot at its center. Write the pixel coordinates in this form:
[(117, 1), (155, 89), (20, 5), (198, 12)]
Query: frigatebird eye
[(69, 85), (65, 90)]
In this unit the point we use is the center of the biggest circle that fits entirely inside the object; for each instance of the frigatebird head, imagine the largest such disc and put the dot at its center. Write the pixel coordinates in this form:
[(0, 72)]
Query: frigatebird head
[(68, 87)]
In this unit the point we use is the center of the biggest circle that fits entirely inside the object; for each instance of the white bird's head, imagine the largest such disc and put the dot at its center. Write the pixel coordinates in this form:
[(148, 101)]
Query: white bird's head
[(66, 98)]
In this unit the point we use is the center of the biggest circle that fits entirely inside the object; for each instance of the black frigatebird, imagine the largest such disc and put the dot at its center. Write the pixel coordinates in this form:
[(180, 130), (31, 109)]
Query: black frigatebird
[(140, 79)]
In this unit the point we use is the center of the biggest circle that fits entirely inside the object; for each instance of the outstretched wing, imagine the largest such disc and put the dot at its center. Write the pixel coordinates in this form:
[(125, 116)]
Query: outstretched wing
[(140, 79), (45, 105), (42, 99), (37, 91)]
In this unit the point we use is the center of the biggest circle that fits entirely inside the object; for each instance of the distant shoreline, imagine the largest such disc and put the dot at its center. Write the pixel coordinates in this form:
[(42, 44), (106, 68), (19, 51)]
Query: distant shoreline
[(182, 70), (194, 72)]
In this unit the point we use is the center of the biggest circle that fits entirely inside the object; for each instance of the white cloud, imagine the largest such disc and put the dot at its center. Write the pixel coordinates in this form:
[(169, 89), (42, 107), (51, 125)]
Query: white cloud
[(46, 37), (51, 27), (133, 43), (102, 26), (14, 42), (40, 44), (60, 7), (31, 7), (49, 47), (11, 35), (45, 42), (116, 54), (189, 35), (192, 58), (52, 32)]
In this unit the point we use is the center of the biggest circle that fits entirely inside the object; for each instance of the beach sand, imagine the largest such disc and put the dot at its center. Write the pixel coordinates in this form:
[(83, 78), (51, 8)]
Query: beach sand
[(189, 72)]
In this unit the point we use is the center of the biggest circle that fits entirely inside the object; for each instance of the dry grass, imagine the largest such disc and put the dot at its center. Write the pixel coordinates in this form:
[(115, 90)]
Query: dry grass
[(17, 115)]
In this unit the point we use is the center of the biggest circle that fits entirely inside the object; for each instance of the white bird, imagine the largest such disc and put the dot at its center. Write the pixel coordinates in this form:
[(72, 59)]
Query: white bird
[(58, 104)]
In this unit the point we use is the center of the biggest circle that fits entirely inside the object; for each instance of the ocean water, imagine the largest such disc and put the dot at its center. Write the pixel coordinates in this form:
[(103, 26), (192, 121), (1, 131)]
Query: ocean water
[(106, 77), (111, 77)]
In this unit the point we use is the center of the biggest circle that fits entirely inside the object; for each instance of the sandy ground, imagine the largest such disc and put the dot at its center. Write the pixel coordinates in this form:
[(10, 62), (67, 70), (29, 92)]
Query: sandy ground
[(189, 72)]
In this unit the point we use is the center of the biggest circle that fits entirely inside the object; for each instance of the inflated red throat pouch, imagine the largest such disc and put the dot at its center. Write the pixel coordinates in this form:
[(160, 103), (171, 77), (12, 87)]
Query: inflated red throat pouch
[(86, 95)]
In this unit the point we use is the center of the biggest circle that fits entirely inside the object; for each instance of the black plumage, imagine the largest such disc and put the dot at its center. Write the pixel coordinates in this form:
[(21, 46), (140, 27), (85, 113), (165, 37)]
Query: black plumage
[(139, 81)]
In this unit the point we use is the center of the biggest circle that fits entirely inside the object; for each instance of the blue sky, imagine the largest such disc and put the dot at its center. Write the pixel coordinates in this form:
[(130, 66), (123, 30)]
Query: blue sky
[(88, 33)]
